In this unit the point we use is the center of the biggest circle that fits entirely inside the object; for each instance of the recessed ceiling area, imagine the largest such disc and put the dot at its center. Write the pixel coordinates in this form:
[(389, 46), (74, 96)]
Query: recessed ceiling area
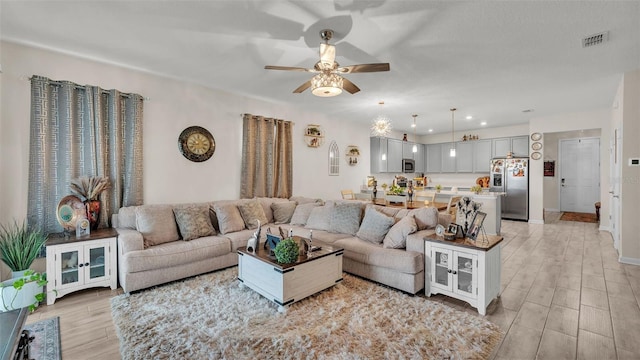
[(489, 59)]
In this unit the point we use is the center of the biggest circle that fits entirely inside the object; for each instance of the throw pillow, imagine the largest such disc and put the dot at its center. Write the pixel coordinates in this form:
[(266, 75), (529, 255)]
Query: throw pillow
[(319, 219), (229, 218), (345, 218), (252, 212), (397, 236), (266, 203), (301, 214), (193, 222), (157, 224), (305, 200), (283, 211), (426, 218), (375, 226)]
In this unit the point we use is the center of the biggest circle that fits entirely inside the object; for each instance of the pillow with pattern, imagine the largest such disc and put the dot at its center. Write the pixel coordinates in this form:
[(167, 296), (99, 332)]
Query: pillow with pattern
[(375, 226), (345, 218), (302, 212), (252, 212), (283, 211), (396, 238), (193, 222)]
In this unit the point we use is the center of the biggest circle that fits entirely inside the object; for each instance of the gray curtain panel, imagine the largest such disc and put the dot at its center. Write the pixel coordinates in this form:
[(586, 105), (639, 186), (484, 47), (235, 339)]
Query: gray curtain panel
[(267, 157), (82, 131)]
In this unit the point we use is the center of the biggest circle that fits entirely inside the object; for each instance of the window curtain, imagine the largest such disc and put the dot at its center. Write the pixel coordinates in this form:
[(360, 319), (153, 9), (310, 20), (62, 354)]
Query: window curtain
[(82, 131), (267, 157)]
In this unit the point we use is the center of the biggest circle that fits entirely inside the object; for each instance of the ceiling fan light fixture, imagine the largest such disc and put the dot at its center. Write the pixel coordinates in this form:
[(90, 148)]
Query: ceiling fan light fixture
[(326, 85)]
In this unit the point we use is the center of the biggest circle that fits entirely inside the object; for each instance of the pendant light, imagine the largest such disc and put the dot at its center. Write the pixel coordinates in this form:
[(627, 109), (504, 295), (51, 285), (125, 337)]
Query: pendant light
[(452, 151), (415, 137), (381, 124)]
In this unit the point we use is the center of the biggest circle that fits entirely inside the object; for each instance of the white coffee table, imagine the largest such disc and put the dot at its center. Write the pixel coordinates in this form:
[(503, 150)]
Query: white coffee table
[(285, 284)]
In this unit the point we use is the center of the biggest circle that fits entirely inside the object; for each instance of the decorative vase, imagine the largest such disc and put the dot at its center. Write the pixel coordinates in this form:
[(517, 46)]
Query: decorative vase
[(93, 213)]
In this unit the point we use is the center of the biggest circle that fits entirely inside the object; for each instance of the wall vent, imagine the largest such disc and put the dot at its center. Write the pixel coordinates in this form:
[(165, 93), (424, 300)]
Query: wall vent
[(595, 39)]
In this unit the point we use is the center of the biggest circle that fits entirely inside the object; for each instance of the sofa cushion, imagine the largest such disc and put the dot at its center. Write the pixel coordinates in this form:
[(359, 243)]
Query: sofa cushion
[(318, 235), (426, 218), (319, 219), (396, 238), (157, 224), (229, 218), (239, 239), (193, 222), (365, 252), (306, 200), (176, 253), (252, 212), (266, 203), (375, 226), (345, 217), (302, 212), (283, 211), (387, 210), (127, 217)]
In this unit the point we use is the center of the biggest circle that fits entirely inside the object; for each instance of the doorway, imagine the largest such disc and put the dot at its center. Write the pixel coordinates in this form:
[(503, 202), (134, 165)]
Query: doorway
[(615, 154), (579, 174)]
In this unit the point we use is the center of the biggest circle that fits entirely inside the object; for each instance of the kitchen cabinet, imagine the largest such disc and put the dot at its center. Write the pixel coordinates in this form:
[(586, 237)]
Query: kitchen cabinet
[(407, 150), (463, 269), (394, 156), (76, 263), (419, 158), (378, 150), (448, 162), (433, 158), (482, 156), (517, 145), (464, 157), (520, 146)]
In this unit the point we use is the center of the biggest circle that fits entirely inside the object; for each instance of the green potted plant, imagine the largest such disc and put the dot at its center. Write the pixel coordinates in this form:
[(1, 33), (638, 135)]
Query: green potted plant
[(476, 189), (438, 188), (19, 247), (287, 251)]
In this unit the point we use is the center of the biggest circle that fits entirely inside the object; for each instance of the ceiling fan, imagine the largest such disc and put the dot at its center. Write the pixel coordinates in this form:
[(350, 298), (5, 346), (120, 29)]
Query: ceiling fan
[(329, 80)]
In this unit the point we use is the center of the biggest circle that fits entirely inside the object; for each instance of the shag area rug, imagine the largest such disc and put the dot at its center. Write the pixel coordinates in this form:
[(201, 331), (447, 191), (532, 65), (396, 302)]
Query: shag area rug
[(211, 317), (580, 217), (46, 345)]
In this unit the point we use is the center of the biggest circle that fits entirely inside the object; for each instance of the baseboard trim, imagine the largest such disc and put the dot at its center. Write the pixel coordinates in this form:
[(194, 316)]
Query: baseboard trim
[(552, 210), (630, 261), (605, 228), (533, 221)]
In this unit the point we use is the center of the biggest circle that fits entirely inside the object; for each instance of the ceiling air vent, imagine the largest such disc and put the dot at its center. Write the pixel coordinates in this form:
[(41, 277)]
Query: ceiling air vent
[(595, 39)]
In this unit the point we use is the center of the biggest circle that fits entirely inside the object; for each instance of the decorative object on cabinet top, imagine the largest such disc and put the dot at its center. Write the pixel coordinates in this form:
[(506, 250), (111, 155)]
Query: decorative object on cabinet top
[(70, 210), (536, 136), (470, 137), (536, 146), (313, 135), (352, 153)]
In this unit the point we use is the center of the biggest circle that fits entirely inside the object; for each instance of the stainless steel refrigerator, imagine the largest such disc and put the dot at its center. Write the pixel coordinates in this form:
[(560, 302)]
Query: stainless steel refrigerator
[(511, 176)]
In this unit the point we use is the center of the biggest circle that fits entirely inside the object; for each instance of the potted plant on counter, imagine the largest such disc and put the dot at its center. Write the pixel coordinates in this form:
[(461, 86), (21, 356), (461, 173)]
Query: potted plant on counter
[(19, 247), (438, 188)]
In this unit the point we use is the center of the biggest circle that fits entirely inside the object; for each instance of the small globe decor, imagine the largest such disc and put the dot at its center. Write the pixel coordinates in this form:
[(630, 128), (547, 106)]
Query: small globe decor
[(287, 251)]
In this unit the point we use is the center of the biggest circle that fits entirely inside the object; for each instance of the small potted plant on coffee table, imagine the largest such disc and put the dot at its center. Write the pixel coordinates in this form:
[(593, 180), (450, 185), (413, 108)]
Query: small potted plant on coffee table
[(19, 247)]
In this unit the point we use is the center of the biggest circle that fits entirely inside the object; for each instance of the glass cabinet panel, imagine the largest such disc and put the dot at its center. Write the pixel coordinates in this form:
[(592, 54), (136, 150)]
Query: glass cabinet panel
[(96, 262), (441, 267), (465, 273), (69, 267)]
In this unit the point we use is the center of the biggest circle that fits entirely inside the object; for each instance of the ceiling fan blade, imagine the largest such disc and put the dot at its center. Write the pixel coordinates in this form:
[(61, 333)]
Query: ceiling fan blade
[(302, 87), (360, 68), (349, 86), (287, 68)]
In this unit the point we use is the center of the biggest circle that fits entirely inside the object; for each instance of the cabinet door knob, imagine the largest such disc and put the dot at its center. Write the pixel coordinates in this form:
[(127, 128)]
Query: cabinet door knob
[(86, 264), (454, 272), (80, 265), (449, 271)]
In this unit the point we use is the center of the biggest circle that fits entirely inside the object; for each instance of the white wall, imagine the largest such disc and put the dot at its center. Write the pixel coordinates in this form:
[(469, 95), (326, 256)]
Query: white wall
[(172, 106), (599, 119), (483, 133)]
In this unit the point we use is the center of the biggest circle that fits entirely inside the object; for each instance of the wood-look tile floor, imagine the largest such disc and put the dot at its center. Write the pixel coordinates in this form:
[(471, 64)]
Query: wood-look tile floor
[(564, 296)]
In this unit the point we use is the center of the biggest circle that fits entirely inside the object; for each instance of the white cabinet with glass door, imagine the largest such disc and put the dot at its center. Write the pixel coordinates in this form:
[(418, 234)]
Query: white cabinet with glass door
[(79, 263), (463, 269)]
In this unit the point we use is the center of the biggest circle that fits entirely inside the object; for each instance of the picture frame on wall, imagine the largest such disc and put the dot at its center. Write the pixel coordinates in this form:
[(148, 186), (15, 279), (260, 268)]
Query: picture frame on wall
[(550, 168)]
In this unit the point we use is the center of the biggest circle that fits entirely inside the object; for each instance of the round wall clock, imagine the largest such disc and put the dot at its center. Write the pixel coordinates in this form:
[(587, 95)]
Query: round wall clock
[(196, 144)]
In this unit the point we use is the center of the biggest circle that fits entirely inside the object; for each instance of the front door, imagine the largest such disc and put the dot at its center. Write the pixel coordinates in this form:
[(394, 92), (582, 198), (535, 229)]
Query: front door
[(579, 174)]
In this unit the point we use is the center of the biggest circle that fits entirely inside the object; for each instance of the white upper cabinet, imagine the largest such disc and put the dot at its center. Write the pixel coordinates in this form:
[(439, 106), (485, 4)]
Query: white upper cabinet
[(482, 156), (448, 162), (394, 156), (464, 156), (433, 158)]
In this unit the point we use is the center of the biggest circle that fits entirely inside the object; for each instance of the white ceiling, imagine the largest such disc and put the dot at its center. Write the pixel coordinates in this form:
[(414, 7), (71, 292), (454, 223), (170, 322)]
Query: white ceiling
[(490, 59)]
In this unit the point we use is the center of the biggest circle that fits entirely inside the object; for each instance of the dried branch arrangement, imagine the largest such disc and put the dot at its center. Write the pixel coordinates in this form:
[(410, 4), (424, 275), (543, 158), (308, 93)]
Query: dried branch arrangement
[(89, 188)]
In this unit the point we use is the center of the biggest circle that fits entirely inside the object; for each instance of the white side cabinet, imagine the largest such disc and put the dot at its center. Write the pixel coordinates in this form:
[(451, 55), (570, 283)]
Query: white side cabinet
[(78, 263), (463, 269)]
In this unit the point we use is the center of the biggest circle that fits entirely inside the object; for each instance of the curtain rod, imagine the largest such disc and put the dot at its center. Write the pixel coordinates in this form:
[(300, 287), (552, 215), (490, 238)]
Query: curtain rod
[(77, 86)]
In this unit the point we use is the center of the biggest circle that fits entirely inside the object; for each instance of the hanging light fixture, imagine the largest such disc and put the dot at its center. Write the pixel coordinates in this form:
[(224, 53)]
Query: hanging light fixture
[(452, 151), (381, 124), (326, 84), (415, 137)]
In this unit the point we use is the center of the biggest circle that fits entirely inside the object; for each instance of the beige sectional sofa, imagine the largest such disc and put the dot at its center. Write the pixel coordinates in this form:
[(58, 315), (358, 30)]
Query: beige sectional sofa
[(163, 243)]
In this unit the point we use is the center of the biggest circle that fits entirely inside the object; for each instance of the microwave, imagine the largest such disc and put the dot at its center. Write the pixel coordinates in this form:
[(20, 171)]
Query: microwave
[(408, 165)]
